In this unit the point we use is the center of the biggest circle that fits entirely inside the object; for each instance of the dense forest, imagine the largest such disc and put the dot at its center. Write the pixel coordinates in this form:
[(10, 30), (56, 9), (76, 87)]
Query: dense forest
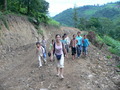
[(32, 8), (110, 10), (104, 20)]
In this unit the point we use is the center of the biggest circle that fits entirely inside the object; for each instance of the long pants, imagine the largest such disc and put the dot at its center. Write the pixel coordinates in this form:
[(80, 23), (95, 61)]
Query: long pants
[(79, 50), (40, 60), (85, 50), (67, 48)]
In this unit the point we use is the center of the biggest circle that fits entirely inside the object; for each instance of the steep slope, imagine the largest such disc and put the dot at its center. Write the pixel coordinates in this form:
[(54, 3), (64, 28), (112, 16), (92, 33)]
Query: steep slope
[(19, 68)]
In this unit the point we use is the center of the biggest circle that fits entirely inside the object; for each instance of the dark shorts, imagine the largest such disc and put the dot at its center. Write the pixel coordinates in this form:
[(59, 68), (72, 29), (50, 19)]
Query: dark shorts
[(73, 50)]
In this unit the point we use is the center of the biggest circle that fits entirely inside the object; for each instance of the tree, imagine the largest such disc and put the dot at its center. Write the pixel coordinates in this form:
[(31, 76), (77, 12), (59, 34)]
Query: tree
[(106, 26), (82, 24), (75, 17), (3, 5)]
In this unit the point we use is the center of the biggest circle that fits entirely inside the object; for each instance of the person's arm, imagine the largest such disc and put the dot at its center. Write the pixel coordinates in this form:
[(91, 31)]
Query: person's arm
[(43, 50), (88, 42), (68, 40), (70, 44), (36, 51), (65, 51), (53, 50), (76, 41)]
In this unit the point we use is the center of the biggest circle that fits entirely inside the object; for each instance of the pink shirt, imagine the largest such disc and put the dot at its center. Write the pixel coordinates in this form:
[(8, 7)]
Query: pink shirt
[(58, 49)]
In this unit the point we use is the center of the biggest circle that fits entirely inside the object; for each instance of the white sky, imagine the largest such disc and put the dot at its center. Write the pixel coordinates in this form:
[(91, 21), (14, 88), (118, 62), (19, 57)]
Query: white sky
[(57, 6)]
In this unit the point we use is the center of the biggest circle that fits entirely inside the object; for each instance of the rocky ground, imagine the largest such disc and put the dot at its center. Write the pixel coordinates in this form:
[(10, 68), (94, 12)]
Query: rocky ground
[(19, 69)]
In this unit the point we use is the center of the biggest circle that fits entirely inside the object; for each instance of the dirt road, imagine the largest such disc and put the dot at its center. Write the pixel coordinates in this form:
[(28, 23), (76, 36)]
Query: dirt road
[(20, 71)]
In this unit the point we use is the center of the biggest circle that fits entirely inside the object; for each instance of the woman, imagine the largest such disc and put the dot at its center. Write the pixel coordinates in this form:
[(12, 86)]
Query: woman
[(59, 51)]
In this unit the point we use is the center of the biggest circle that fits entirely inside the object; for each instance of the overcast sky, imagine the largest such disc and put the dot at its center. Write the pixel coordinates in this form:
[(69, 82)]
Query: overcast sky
[(57, 6)]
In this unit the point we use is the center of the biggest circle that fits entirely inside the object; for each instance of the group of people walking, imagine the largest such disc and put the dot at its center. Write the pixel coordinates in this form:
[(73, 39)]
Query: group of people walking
[(60, 47)]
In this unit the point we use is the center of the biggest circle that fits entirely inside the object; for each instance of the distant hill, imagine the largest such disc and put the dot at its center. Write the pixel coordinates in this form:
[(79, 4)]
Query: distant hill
[(110, 10)]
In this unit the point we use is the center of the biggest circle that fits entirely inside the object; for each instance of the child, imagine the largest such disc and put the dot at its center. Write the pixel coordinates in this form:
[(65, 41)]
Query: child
[(67, 42), (44, 46), (79, 44), (40, 51), (50, 54), (63, 40), (85, 42), (73, 44)]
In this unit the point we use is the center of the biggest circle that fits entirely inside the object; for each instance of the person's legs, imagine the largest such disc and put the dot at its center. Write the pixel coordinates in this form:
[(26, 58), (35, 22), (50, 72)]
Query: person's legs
[(61, 72), (44, 58), (72, 49), (73, 52), (40, 62), (67, 48), (85, 51), (73, 57), (78, 51), (61, 66), (51, 57), (58, 71)]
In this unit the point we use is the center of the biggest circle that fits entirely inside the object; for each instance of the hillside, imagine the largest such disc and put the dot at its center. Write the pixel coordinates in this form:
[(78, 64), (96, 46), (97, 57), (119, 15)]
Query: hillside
[(19, 66), (110, 10)]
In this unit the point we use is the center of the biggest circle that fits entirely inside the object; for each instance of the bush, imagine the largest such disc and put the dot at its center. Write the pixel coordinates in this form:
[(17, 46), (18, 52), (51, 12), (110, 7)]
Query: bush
[(114, 45), (118, 66), (3, 19), (108, 57), (39, 31), (53, 23)]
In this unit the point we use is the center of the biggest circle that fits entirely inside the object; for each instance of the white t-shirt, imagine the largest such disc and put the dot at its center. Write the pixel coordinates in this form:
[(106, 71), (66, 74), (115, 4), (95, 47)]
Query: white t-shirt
[(68, 40), (40, 51)]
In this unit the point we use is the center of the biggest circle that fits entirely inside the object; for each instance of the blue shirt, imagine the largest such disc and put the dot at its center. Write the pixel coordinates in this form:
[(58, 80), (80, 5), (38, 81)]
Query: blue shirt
[(79, 39), (85, 42), (64, 42)]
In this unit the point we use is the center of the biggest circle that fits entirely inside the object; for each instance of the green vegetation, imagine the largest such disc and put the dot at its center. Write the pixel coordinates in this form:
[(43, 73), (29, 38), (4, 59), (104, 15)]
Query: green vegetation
[(118, 66), (53, 23), (37, 9), (2, 18), (40, 31), (108, 57), (110, 10), (114, 46)]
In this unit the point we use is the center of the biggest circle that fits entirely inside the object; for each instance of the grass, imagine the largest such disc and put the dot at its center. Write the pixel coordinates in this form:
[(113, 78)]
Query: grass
[(3, 19), (39, 31), (99, 39), (114, 45), (53, 23), (108, 57), (118, 66)]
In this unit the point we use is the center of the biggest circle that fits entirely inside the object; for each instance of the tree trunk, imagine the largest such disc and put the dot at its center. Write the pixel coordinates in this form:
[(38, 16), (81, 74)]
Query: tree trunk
[(28, 7), (19, 6), (5, 5)]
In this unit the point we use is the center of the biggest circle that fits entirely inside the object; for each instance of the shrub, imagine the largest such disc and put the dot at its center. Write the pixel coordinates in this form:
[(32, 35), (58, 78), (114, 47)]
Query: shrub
[(53, 23), (108, 57), (114, 45)]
